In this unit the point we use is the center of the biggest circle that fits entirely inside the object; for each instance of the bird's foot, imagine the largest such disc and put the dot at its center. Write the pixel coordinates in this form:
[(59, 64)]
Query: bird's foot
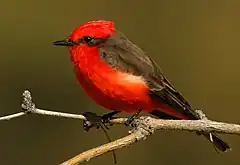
[(131, 118), (93, 120)]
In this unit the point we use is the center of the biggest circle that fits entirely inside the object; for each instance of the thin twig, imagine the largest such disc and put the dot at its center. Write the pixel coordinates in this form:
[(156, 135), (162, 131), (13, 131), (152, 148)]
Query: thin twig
[(58, 114), (43, 112), (16, 115), (109, 140), (29, 107)]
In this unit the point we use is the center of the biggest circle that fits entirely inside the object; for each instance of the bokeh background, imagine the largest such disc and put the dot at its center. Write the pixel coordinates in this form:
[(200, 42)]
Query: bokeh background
[(195, 42)]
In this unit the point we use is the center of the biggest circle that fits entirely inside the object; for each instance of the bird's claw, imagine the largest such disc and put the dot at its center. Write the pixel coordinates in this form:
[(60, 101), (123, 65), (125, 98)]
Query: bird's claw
[(131, 118), (93, 120)]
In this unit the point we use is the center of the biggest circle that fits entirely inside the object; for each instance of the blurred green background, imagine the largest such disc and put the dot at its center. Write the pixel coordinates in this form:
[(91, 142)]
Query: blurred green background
[(196, 43)]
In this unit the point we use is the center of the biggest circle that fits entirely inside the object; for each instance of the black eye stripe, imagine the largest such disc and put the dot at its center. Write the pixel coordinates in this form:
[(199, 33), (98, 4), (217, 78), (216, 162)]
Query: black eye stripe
[(91, 41)]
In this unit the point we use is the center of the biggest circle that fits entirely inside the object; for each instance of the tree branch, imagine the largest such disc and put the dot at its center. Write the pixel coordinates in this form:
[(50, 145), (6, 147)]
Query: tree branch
[(29, 107), (87, 155), (140, 128), (145, 126)]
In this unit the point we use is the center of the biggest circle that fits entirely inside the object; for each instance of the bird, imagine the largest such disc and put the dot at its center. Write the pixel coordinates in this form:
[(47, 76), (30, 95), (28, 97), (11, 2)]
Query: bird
[(121, 77)]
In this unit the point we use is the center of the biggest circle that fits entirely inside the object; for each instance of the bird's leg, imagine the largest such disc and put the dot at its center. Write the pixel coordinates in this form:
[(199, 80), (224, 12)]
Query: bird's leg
[(107, 117), (93, 120), (131, 118)]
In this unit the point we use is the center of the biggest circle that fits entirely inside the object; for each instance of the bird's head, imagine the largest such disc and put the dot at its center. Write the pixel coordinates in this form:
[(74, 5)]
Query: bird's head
[(91, 33)]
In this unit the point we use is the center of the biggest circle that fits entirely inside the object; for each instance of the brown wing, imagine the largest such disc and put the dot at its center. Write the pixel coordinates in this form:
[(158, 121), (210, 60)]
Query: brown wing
[(123, 55)]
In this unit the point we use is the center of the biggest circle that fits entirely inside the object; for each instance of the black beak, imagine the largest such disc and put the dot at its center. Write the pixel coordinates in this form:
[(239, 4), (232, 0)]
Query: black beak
[(65, 42)]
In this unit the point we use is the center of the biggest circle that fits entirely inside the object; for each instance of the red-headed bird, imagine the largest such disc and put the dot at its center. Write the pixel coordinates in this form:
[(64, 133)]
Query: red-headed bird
[(120, 76)]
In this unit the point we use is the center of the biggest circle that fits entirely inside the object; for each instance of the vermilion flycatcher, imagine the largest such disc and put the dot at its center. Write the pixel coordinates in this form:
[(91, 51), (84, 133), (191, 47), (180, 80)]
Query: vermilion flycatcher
[(119, 76)]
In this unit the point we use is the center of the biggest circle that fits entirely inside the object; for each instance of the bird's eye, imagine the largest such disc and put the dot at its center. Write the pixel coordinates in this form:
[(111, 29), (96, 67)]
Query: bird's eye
[(88, 39), (92, 41)]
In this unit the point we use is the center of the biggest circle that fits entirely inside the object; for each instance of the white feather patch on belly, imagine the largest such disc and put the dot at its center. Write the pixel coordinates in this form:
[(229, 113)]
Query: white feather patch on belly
[(131, 78)]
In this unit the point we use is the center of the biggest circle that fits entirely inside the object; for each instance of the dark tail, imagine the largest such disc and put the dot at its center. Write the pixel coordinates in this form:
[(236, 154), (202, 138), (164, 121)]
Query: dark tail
[(213, 138), (217, 142)]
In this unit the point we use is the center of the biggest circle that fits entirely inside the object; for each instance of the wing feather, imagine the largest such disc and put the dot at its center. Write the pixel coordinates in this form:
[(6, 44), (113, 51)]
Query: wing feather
[(123, 55)]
